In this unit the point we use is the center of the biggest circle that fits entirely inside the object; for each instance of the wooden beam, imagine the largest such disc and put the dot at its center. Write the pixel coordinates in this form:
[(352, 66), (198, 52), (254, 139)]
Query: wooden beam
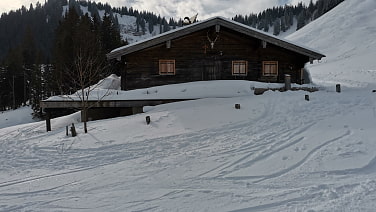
[(264, 43), (217, 28)]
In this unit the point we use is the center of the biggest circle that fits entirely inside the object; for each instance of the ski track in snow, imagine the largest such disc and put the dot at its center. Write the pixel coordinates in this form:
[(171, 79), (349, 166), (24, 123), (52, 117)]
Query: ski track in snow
[(50, 172)]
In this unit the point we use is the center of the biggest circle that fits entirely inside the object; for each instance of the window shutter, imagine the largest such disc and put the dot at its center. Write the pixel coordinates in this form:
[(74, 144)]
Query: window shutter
[(239, 67), (167, 67)]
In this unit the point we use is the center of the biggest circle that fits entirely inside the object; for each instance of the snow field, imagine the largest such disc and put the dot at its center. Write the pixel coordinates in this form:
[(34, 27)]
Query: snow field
[(277, 153)]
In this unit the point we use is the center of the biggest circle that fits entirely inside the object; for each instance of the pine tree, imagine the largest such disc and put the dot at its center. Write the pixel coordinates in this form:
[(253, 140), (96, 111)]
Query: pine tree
[(277, 27), (143, 25), (14, 79), (166, 27), (283, 24), (29, 53), (301, 20), (150, 27), (109, 35), (64, 48)]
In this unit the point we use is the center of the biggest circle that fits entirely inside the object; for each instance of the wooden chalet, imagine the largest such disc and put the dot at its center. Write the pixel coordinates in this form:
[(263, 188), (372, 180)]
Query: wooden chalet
[(214, 49)]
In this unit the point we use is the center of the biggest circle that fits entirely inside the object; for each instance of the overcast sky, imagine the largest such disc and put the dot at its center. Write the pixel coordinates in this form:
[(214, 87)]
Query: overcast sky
[(178, 8)]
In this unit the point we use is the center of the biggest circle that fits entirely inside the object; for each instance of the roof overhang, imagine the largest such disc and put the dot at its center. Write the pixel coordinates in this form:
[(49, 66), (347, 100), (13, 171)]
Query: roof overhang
[(220, 21)]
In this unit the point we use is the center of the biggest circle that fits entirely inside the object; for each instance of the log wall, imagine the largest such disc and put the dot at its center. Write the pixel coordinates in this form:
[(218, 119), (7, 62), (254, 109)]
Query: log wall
[(196, 60)]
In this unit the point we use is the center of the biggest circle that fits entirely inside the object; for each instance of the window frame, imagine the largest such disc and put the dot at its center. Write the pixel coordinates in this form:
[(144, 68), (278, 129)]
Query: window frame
[(238, 64), (270, 63), (166, 63)]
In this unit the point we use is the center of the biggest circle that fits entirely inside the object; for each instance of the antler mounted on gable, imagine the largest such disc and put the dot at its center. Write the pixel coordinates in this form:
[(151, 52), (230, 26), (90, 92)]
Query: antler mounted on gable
[(190, 20)]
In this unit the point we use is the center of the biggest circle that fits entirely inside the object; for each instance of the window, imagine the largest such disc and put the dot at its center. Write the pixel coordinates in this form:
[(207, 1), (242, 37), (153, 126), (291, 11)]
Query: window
[(270, 68), (239, 68), (167, 67)]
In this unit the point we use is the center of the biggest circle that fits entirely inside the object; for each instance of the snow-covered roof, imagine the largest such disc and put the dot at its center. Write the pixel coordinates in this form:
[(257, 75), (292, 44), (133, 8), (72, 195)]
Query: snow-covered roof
[(252, 32)]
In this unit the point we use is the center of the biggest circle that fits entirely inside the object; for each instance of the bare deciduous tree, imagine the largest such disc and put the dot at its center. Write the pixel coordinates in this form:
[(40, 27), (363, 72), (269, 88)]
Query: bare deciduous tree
[(88, 69)]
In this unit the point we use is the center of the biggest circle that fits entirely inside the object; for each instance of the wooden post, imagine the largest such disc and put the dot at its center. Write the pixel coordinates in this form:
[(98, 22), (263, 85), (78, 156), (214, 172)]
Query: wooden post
[(287, 82), (73, 130), (147, 120), (338, 88), (123, 78), (237, 106), (306, 97), (301, 76), (66, 131), (48, 121)]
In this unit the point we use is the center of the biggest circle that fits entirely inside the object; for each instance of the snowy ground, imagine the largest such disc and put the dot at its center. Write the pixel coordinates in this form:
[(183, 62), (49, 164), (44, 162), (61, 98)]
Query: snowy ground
[(277, 153), (20, 116)]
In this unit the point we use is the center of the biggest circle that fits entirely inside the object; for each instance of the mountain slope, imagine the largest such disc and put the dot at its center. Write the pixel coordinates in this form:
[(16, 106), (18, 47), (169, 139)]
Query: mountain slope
[(346, 35)]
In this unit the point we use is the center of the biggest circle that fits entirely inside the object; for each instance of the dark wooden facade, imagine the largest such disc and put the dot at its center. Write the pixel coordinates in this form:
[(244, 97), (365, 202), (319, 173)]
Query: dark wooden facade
[(205, 51)]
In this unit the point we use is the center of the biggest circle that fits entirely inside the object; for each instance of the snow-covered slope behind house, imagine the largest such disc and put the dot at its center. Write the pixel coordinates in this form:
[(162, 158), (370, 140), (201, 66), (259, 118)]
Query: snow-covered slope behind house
[(347, 36), (278, 152), (127, 25)]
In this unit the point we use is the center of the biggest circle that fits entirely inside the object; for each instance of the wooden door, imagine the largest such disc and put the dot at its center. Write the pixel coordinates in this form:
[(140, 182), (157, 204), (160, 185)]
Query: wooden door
[(212, 70)]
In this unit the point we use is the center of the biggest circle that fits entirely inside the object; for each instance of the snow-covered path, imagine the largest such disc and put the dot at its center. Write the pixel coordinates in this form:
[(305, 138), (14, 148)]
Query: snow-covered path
[(286, 154)]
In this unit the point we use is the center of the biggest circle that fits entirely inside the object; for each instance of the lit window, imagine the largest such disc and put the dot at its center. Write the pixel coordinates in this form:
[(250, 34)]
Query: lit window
[(270, 68), (167, 67), (239, 68)]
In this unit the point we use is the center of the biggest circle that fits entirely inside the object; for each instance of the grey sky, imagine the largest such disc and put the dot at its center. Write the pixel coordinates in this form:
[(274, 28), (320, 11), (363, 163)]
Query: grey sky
[(178, 8)]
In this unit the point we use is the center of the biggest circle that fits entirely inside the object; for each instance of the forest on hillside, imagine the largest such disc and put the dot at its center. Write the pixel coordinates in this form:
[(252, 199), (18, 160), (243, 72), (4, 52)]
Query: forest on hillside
[(280, 19), (40, 44)]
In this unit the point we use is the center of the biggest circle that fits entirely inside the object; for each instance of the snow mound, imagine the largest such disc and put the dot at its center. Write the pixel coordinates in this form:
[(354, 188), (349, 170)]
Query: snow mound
[(110, 82), (109, 90)]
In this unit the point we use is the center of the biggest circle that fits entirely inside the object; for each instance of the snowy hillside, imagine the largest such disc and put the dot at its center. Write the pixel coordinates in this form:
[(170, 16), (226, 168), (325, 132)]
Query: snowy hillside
[(346, 35), (127, 25), (278, 152)]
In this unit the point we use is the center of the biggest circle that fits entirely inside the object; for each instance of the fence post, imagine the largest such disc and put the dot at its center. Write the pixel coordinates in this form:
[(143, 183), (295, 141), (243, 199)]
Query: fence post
[(147, 120), (287, 82), (73, 130), (338, 88), (48, 121)]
